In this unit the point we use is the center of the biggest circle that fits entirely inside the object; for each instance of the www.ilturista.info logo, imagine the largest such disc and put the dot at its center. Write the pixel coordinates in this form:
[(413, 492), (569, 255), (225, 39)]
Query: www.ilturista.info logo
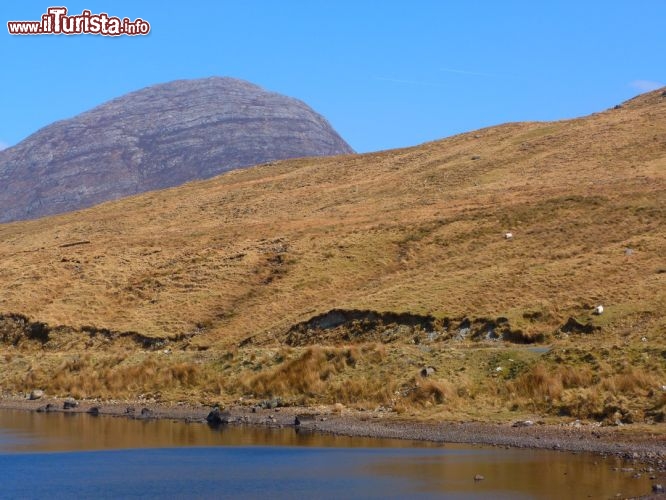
[(56, 22)]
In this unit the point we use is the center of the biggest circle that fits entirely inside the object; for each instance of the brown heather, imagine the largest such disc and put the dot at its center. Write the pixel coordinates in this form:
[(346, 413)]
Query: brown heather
[(192, 292)]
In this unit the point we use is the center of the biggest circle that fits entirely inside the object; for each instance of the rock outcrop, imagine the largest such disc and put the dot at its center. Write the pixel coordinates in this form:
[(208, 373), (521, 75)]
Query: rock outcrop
[(158, 137)]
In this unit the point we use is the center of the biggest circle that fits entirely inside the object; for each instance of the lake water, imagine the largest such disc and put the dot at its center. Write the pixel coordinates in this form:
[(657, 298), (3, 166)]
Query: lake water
[(77, 455)]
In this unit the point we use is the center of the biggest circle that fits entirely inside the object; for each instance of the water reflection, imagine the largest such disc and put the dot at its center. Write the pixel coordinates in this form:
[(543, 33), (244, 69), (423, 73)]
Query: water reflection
[(160, 459), (30, 431), (535, 473)]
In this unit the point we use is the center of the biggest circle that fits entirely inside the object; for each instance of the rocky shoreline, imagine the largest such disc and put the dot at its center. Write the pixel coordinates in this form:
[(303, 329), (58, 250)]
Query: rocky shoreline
[(646, 447)]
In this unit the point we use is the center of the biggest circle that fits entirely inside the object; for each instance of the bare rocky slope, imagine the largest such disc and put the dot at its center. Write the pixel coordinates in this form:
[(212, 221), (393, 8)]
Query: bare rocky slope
[(157, 137)]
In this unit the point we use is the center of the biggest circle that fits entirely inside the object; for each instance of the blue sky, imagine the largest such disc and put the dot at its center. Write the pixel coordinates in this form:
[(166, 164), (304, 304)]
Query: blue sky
[(385, 73)]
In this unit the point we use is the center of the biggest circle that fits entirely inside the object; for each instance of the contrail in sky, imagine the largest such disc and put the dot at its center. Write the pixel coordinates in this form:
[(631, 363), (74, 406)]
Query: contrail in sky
[(410, 82), (464, 72)]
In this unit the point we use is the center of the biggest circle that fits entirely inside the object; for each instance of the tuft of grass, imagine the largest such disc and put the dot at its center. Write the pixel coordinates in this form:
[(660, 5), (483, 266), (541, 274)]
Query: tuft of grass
[(539, 384), (630, 382), (305, 375), (324, 374), (433, 392)]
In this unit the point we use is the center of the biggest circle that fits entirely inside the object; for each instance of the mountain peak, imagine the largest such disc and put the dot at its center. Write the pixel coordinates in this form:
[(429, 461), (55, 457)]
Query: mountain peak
[(157, 137)]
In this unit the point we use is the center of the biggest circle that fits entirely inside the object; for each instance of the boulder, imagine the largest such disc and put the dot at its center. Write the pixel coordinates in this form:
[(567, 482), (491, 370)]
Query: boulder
[(217, 417), (36, 394), (523, 423), (304, 418), (70, 403)]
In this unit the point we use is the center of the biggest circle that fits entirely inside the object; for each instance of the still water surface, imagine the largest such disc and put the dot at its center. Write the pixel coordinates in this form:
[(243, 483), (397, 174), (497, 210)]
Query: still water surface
[(64, 455)]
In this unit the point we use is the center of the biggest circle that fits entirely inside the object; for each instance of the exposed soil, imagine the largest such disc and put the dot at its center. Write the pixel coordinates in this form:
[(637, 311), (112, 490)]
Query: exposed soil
[(16, 329), (357, 326)]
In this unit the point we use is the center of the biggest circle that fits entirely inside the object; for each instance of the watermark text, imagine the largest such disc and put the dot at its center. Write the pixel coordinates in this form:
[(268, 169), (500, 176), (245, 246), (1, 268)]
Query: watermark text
[(57, 22)]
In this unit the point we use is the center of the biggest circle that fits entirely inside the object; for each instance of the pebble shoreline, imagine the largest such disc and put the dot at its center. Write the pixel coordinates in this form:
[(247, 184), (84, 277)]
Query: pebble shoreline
[(647, 450)]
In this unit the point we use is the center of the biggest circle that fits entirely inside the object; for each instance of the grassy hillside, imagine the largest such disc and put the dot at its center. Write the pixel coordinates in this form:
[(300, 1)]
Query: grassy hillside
[(234, 277)]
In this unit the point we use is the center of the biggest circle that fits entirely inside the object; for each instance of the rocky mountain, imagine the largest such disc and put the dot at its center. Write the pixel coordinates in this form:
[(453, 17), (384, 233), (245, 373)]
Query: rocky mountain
[(158, 137)]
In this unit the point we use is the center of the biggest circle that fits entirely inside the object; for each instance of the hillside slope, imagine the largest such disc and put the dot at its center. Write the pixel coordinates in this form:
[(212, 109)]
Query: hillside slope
[(259, 258)]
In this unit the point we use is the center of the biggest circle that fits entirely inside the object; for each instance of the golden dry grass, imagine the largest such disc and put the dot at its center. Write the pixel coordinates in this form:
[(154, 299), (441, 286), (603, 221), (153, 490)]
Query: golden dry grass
[(417, 230), (322, 375)]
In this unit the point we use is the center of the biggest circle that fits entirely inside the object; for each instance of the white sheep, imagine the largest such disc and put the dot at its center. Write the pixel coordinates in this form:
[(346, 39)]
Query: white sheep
[(598, 310), (508, 236)]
